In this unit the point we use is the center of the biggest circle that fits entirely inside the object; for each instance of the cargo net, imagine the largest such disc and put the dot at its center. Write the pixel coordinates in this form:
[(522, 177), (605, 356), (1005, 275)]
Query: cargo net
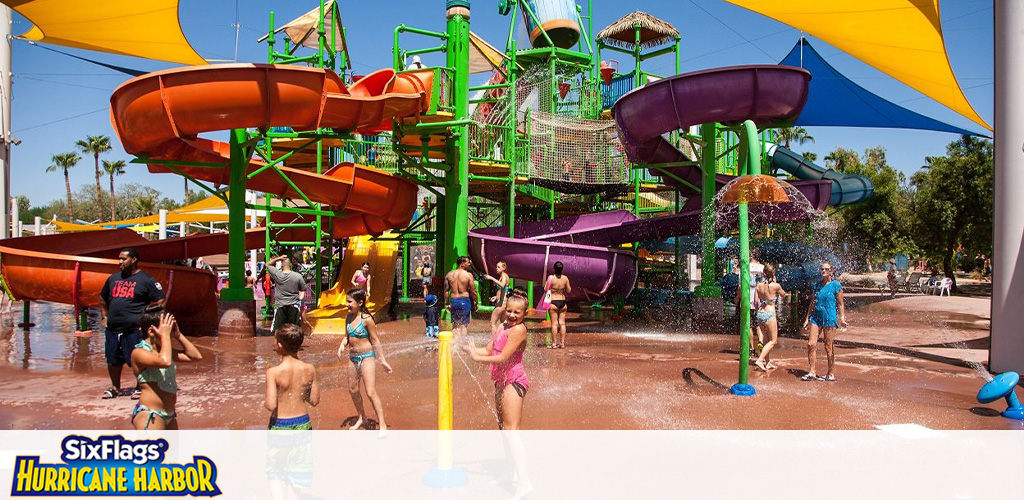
[(575, 155), (563, 90)]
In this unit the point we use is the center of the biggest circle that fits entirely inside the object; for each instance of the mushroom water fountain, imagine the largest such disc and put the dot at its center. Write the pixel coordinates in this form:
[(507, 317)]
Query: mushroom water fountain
[(751, 188)]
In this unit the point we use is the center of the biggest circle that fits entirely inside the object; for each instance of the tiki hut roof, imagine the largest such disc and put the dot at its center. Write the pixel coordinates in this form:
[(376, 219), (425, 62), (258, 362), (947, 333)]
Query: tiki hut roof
[(653, 31)]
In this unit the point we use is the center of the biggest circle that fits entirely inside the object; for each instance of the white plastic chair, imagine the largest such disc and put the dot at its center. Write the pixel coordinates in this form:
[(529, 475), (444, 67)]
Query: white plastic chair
[(946, 286)]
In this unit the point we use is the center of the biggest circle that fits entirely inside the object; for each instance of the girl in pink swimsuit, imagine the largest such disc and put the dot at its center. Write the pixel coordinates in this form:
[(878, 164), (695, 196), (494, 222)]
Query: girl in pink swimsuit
[(361, 278), (505, 355)]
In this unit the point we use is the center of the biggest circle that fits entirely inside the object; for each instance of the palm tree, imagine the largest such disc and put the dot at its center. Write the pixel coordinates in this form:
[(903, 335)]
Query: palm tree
[(95, 145), (795, 135), (146, 205), (113, 168), (64, 162)]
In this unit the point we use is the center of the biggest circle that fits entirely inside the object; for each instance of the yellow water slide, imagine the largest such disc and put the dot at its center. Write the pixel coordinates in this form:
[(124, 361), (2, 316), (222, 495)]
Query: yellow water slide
[(382, 256)]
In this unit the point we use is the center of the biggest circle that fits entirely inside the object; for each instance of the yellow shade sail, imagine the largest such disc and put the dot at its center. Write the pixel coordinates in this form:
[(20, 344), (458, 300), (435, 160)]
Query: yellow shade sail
[(483, 57), (147, 29), (901, 38), (70, 227)]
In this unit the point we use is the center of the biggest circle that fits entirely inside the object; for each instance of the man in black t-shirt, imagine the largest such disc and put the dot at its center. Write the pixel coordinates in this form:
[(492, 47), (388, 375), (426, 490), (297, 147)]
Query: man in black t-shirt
[(124, 298)]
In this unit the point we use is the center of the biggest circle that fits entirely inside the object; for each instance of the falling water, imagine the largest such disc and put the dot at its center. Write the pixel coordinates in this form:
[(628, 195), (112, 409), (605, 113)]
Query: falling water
[(483, 393)]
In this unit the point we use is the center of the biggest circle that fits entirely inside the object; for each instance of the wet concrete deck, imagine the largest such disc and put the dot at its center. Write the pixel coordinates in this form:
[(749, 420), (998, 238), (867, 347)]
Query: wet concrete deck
[(904, 360)]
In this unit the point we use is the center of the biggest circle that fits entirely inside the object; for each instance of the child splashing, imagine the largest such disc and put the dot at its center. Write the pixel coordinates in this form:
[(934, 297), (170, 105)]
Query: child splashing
[(364, 353), (153, 360), (505, 355)]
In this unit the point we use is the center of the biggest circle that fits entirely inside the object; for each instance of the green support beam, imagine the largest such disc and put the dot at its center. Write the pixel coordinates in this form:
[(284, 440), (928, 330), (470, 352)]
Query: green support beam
[(707, 287), (236, 290), (456, 200)]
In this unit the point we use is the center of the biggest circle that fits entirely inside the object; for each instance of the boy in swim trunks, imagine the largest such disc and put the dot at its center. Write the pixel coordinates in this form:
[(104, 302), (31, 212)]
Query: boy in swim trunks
[(291, 384), (462, 296)]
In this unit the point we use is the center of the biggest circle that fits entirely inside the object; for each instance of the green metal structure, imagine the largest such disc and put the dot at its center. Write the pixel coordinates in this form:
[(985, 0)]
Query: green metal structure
[(474, 152)]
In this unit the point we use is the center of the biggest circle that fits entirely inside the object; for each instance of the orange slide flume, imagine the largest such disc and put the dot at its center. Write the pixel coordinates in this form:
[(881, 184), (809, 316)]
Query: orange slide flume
[(159, 116)]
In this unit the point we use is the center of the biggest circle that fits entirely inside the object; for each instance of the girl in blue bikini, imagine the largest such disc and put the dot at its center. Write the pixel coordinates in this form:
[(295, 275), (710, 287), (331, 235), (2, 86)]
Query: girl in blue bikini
[(364, 352), (154, 360), (769, 298)]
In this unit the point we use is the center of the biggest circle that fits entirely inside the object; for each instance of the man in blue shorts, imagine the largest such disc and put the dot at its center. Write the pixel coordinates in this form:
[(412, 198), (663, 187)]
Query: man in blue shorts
[(123, 299), (462, 297)]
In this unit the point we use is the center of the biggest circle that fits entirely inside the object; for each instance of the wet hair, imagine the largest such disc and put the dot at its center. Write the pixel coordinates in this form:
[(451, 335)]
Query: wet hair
[(501, 263), (359, 295), (461, 259), (150, 318), (248, 272), (132, 252), (519, 297), (365, 264), (769, 273), (289, 336), (756, 253), (558, 269)]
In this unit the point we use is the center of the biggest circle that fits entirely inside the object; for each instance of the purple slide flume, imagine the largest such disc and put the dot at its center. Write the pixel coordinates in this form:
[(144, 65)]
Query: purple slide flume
[(594, 272), (765, 94), (731, 95)]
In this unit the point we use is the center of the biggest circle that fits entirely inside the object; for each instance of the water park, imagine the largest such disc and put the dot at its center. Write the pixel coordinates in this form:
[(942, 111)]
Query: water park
[(562, 187)]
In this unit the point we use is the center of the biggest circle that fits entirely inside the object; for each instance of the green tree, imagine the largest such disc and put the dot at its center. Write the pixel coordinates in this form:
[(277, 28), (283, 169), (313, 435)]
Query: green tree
[(953, 203), (810, 156), (24, 205), (793, 135), (113, 168), (146, 205), (95, 145), (64, 162), (878, 228)]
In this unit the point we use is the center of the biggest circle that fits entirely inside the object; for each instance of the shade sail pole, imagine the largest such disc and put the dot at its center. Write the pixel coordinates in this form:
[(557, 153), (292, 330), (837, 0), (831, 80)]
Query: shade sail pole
[(5, 120), (1007, 348)]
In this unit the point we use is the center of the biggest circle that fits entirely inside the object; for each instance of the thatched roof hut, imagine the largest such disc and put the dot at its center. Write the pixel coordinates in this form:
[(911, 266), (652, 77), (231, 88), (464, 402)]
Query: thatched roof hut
[(653, 31)]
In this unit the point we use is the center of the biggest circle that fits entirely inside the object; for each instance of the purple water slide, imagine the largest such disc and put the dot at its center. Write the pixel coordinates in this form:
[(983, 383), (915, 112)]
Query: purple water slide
[(765, 94), (594, 272), (730, 95)]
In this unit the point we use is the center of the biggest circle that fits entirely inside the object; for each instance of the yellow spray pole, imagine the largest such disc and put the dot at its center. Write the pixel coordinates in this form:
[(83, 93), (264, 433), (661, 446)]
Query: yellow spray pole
[(444, 382), (444, 475)]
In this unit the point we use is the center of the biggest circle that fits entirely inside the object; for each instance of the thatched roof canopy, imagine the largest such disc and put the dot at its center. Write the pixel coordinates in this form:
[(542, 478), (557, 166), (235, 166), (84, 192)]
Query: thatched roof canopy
[(653, 31)]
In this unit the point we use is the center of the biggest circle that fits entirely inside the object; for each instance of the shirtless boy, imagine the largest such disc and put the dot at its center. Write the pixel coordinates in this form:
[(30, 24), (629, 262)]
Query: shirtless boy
[(462, 297), (291, 384)]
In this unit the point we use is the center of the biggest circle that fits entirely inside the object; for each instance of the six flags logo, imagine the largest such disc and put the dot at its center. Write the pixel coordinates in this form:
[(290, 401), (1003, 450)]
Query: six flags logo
[(113, 466)]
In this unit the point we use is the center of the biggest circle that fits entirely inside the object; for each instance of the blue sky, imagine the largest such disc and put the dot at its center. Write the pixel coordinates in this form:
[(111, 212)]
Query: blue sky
[(58, 100)]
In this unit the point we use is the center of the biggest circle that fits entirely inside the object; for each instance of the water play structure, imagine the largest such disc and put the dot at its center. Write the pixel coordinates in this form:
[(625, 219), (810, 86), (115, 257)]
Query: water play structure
[(552, 154)]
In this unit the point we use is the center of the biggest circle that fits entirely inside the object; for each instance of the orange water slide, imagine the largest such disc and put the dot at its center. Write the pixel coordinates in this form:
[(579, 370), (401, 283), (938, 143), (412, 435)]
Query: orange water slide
[(160, 116), (57, 268)]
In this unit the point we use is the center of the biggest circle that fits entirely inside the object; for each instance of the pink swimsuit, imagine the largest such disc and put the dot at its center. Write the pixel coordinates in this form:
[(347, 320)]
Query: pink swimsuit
[(511, 371)]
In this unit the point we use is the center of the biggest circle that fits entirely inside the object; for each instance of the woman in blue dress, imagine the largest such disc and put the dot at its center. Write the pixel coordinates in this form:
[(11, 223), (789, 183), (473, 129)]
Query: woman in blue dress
[(826, 305)]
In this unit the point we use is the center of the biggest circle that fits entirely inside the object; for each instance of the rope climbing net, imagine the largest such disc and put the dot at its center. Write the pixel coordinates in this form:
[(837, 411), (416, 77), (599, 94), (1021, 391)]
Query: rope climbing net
[(575, 153)]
